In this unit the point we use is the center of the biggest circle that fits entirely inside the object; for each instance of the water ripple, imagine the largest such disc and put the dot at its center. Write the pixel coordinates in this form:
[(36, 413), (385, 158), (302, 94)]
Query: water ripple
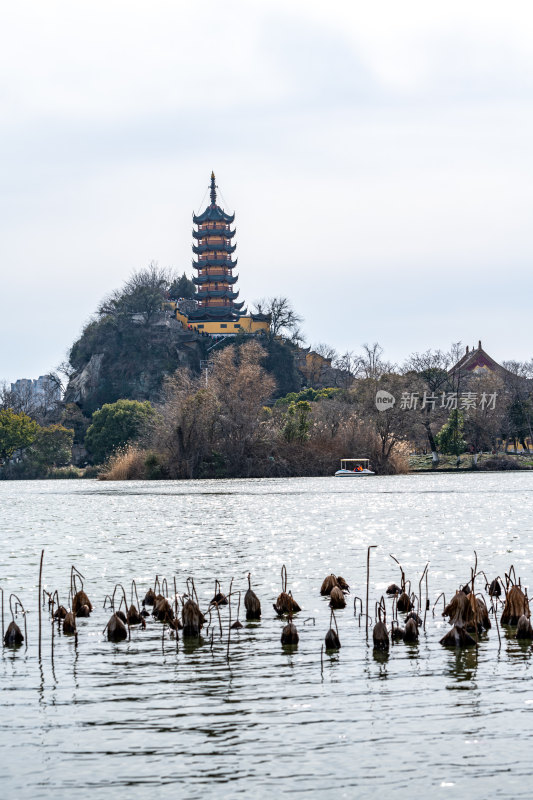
[(175, 719)]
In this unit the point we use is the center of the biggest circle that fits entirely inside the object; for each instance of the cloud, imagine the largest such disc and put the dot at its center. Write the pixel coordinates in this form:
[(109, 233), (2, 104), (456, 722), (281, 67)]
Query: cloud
[(378, 157)]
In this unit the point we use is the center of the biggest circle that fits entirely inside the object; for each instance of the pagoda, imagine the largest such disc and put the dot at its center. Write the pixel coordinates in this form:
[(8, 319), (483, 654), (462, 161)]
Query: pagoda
[(215, 280), (215, 310)]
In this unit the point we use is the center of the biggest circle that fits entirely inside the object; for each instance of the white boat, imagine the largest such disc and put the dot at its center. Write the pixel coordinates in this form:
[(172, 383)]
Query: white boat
[(353, 467)]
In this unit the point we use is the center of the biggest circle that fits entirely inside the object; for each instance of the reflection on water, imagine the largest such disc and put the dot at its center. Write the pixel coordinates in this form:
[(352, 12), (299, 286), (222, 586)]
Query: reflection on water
[(180, 719), (462, 664)]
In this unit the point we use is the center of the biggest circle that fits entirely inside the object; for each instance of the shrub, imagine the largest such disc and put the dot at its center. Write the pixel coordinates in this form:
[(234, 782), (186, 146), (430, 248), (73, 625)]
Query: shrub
[(63, 473), (499, 463), (115, 425), (310, 395), (154, 467), (127, 464)]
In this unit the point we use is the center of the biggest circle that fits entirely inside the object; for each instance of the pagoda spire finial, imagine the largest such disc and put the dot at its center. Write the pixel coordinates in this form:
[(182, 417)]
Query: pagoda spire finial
[(213, 189)]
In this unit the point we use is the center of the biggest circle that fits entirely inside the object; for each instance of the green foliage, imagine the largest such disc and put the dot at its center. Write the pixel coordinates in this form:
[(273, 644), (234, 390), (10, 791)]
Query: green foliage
[(52, 447), (116, 424), (153, 467), (296, 428), (74, 418), (450, 439), (66, 473), (213, 466), (181, 287), (520, 416), (17, 431), (311, 395), (44, 448)]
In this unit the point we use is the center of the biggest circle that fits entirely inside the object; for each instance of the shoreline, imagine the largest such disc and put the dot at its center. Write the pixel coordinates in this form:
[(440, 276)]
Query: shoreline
[(437, 471)]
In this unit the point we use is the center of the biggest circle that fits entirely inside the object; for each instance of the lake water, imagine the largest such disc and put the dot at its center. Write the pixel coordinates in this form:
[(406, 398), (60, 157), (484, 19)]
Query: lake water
[(146, 718)]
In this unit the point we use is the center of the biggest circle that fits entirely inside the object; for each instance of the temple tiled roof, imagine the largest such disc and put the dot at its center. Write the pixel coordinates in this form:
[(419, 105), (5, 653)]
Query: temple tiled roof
[(214, 314), (477, 361)]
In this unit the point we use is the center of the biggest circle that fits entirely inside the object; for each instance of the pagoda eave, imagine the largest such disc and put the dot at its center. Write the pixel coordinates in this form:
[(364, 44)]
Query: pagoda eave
[(213, 213), (215, 262), (219, 277), (213, 232), (204, 248)]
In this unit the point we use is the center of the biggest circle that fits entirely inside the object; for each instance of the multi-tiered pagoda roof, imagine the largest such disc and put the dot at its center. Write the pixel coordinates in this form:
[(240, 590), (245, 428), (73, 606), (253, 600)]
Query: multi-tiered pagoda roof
[(214, 265)]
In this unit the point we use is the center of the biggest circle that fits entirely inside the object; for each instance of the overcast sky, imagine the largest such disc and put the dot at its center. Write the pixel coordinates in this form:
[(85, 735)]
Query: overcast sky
[(378, 157)]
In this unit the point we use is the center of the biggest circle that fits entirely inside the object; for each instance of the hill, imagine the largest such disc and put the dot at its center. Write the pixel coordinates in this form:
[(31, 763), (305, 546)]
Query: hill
[(130, 345)]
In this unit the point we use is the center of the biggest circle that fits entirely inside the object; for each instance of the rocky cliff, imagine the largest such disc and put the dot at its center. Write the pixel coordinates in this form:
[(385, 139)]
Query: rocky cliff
[(129, 359)]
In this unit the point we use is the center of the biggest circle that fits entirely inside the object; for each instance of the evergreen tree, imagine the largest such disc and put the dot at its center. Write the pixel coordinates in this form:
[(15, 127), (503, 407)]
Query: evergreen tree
[(116, 424), (181, 287), (297, 424), (450, 439)]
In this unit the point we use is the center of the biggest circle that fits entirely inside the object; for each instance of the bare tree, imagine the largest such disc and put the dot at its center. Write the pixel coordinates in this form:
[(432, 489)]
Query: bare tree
[(222, 418), (242, 386), (48, 401), (329, 417), (394, 426), (20, 399), (40, 399), (372, 364), (349, 366), (484, 421), (64, 371), (522, 369), (297, 337), (432, 366), (325, 350), (188, 420), (284, 321), (520, 391)]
